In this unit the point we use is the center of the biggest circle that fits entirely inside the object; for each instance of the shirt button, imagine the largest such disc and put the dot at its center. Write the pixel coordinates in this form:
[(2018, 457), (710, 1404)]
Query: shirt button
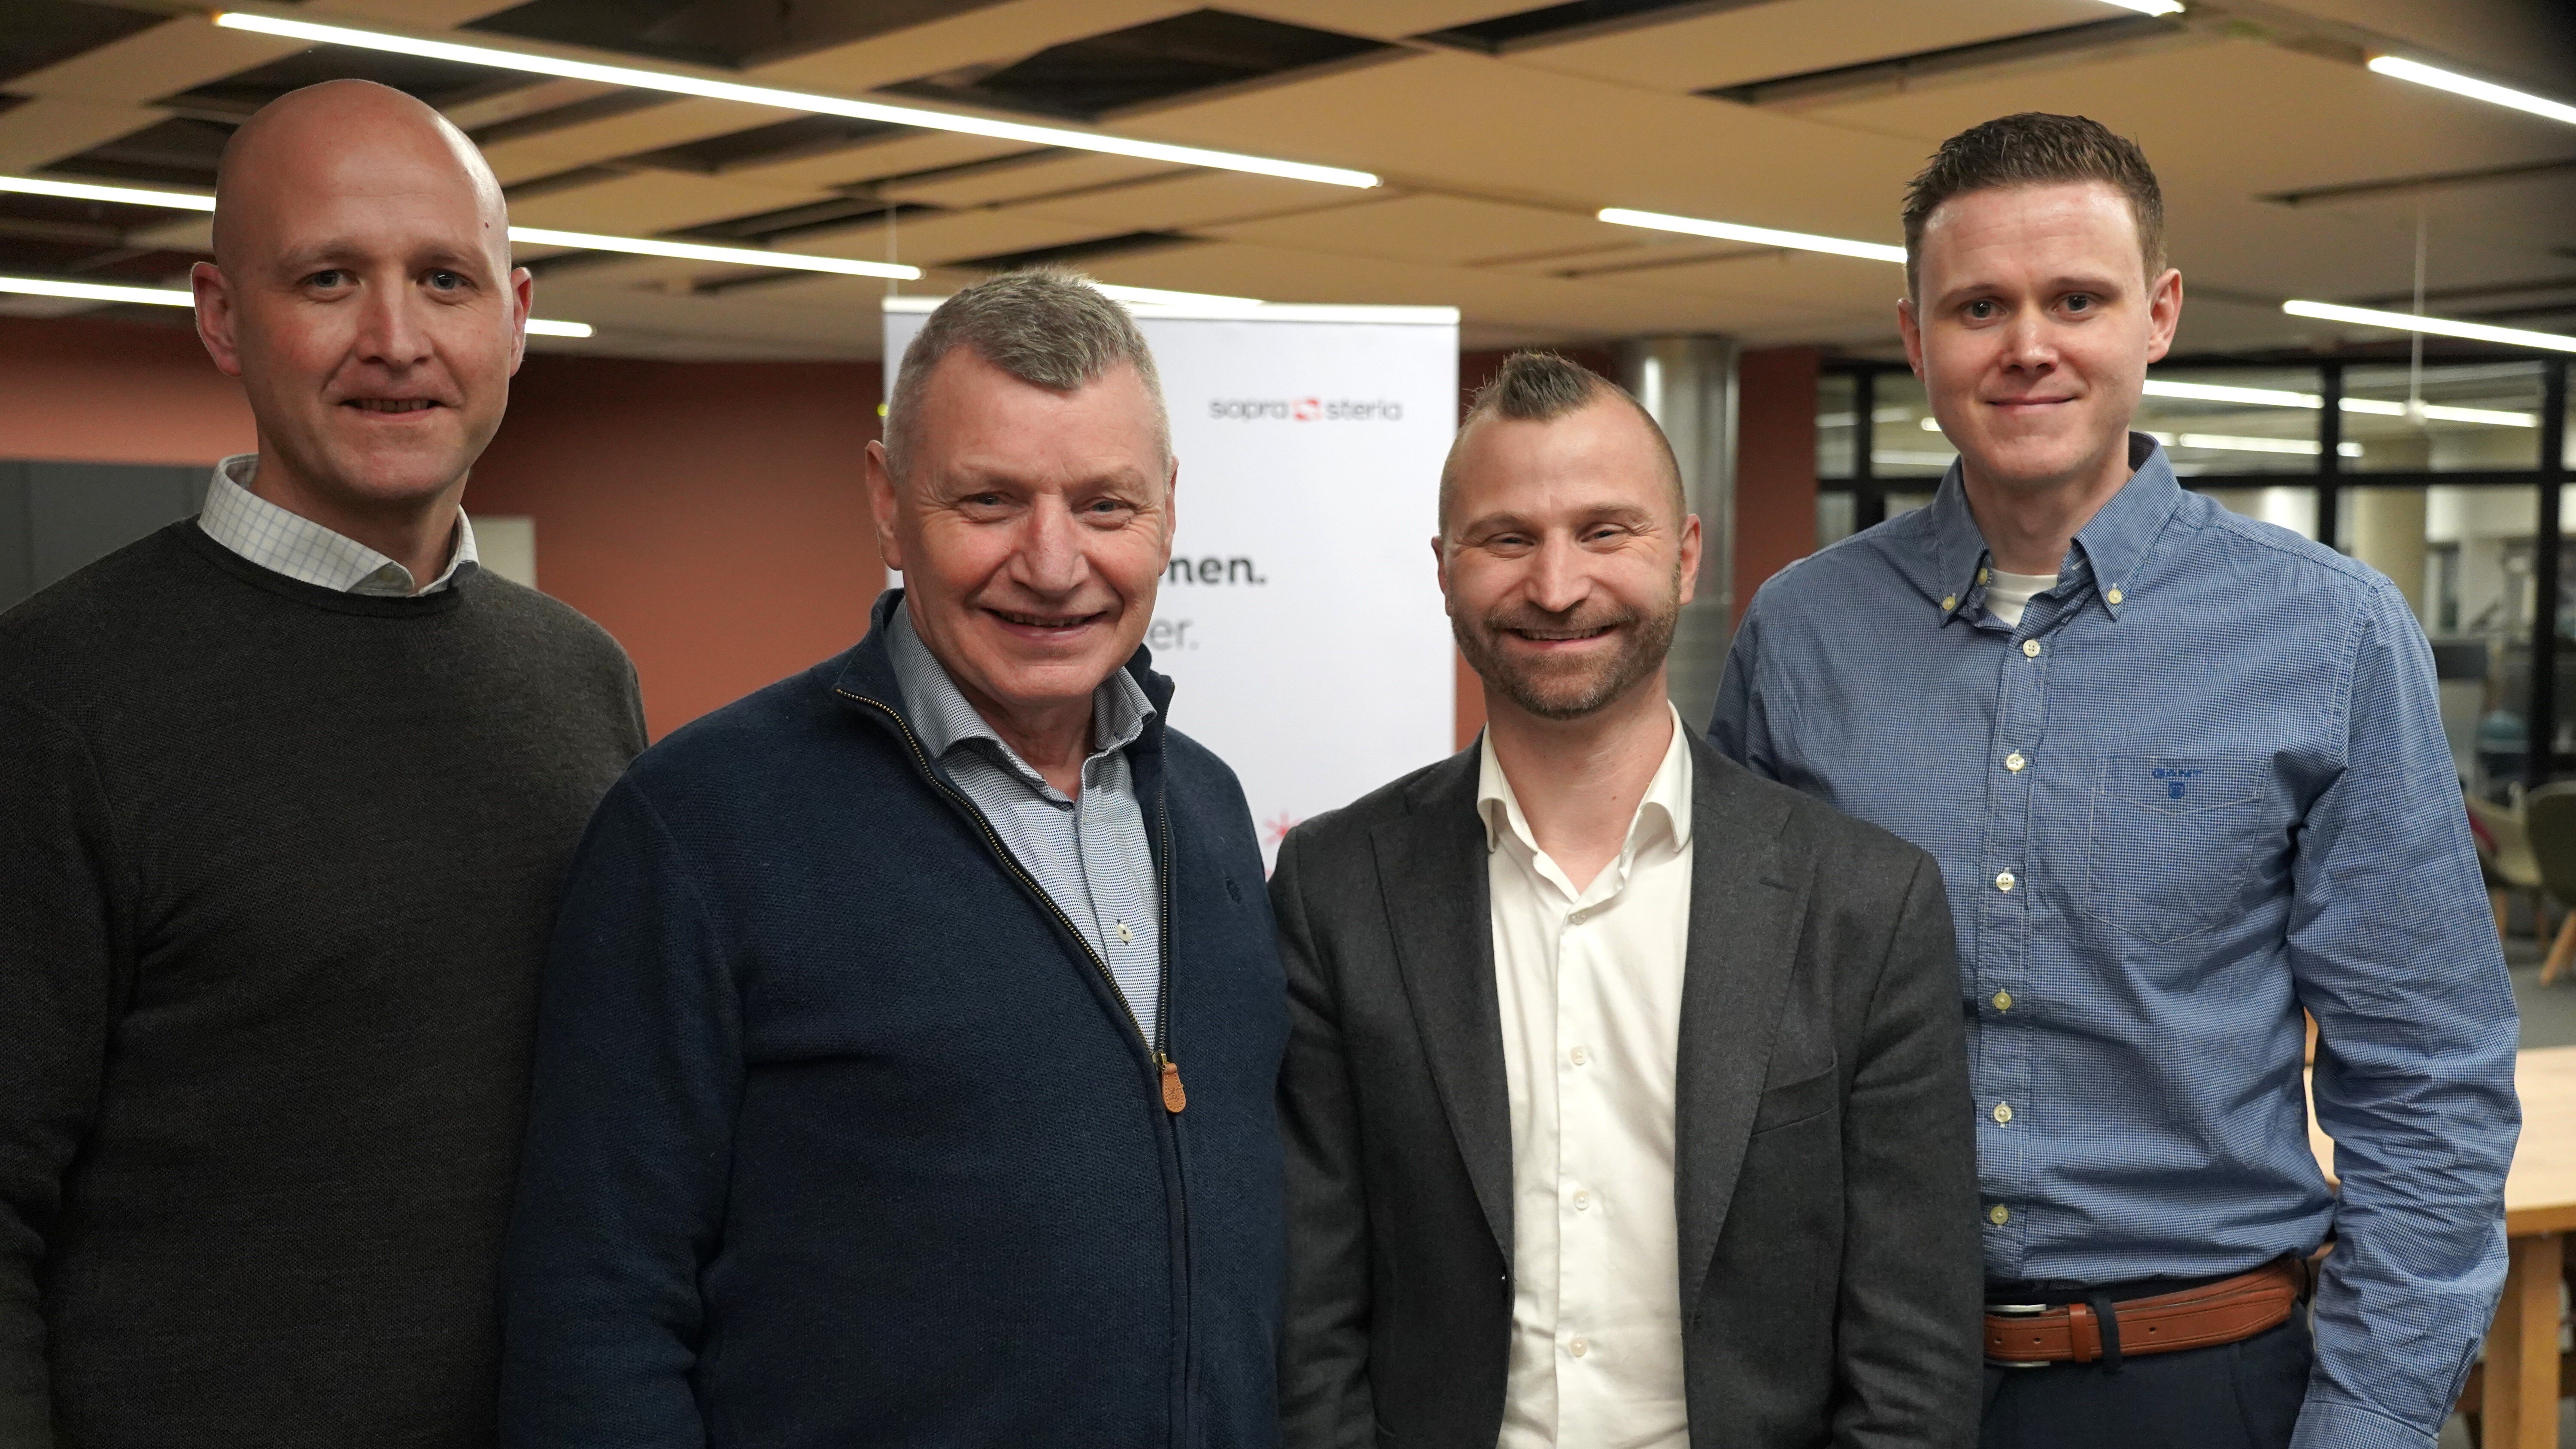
[(1578, 1348), (1999, 1215), (1982, 576), (2014, 762), (1582, 1202), (2003, 1001), (1580, 1055), (2030, 648), (2114, 595), (2005, 881), (2003, 1112), (1949, 602), (1125, 937)]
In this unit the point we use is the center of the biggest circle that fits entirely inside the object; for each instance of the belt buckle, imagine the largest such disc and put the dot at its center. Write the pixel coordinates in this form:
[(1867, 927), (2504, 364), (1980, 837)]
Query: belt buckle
[(2016, 1310)]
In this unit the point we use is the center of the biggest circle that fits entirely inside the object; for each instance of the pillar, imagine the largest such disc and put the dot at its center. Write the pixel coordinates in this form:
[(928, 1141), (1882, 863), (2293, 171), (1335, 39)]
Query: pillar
[(1689, 385)]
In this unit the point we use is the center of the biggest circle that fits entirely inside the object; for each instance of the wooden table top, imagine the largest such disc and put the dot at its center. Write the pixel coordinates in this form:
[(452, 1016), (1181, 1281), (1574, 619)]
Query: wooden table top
[(2540, 1193)]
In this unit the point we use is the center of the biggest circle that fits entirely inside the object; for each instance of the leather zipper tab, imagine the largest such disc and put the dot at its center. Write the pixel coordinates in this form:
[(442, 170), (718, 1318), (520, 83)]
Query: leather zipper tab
[(1174, 1099)]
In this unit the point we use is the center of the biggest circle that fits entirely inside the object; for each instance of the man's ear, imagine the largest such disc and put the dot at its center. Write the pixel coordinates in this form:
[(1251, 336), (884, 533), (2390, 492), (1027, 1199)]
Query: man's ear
[(1692, 544), (1910, 327), (215, 316), (884, 506), (523, 296), (2164, 314)]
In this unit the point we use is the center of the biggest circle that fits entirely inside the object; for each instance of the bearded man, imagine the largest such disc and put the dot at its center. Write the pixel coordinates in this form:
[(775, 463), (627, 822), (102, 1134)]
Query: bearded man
[(1625, 1099)]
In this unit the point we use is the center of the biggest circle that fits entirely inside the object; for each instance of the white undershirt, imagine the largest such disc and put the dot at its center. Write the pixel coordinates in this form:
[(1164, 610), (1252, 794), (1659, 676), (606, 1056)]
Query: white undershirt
[(1590, 986), (2008, 594)]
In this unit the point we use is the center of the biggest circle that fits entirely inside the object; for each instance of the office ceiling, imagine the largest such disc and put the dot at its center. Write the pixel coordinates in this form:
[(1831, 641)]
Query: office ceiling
[(2290, 170)]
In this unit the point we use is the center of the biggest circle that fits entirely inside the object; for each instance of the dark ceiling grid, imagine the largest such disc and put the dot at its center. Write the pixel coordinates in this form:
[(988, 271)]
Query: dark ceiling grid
[(40, 33), (1892, 74), (440, 83), (788, 140), (1160, 61), (179, 151), (1577, 20), (729, 34)]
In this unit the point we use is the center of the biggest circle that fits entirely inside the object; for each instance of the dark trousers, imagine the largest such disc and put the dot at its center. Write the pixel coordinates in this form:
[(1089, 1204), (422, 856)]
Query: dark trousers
[(2234, 1396)]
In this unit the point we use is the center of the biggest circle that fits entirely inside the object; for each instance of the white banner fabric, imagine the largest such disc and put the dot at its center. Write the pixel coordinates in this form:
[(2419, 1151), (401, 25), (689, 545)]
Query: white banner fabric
[(1300, 619)]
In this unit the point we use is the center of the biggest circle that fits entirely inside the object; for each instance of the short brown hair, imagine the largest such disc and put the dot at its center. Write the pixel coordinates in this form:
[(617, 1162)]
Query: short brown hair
[(2035, 148), (1538, 387)]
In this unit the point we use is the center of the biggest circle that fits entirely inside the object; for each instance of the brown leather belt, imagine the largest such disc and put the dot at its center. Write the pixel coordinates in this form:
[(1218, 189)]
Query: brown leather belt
[(2228, 1311)]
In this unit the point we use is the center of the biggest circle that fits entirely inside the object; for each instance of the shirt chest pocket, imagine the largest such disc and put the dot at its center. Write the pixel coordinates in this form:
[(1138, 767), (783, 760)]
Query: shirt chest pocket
[(2173, 842)]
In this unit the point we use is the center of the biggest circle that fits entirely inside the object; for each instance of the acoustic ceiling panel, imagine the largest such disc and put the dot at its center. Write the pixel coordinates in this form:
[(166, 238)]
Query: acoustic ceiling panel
[(645, 203), (1014, 178), (1443, 230), (1738, 45)]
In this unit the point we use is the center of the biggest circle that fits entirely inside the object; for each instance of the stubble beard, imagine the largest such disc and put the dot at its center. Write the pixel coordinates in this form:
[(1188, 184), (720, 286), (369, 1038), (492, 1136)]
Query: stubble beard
[(1563, 692)]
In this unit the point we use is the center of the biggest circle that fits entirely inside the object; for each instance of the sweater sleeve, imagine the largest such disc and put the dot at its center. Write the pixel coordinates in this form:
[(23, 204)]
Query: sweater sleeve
[(629, 1145), (58, 974)]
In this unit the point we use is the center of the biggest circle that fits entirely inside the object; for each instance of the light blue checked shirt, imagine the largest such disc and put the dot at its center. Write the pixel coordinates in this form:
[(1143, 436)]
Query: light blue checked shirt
[(2202, 784), (1089, 854)]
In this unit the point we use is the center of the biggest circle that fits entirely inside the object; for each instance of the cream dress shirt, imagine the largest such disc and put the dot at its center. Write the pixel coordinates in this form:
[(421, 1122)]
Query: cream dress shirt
[(296, 546), (1590, 984)]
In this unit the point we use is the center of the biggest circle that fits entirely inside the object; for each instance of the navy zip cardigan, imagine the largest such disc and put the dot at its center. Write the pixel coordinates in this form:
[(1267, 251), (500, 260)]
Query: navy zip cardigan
[(838, 1137)]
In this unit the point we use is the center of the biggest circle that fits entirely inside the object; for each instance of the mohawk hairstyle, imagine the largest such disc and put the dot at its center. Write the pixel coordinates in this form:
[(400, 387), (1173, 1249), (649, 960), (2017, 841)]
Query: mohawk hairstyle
[(1540, 387), (2035, 148)]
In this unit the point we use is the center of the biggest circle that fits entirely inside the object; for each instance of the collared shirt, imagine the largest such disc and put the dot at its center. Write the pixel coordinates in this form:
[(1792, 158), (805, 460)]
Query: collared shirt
[(1088, 853), (2201, 784), (1590, 985), (296, 546)]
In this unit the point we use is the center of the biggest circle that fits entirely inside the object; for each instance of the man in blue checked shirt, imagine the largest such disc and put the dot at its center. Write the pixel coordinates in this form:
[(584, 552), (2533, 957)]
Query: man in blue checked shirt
[(2184, 776)]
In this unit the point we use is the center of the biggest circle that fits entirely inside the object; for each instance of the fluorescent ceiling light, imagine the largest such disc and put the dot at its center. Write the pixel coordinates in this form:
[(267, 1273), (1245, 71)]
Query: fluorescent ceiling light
[(1757, 235), (532, 235), (2376, 407), (2438, 326), (124, 195), (97, 292), (821, 105), (2460, 85), (2219, 442), (1160, 297), (692, 251), (2149, 7), (175, 297)]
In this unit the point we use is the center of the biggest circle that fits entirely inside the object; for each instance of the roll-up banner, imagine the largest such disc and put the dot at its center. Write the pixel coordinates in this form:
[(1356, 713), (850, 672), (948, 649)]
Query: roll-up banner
[(1299, 619)]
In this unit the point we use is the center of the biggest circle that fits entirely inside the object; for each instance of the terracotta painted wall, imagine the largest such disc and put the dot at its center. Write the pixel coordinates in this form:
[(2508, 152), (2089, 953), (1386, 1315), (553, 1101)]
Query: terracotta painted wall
[(1775, 465), (710, 515), (115, 392)]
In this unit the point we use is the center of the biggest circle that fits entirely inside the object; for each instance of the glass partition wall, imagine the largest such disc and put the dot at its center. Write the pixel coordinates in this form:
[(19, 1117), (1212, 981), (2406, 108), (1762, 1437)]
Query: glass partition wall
[(2446, 477)]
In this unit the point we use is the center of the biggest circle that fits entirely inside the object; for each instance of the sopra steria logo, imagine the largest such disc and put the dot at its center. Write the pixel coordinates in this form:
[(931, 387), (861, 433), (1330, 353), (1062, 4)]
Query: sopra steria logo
[(1305, 410)]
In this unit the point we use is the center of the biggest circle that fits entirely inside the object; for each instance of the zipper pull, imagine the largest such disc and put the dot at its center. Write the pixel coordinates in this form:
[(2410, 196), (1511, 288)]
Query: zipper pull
[(1174, 1099)]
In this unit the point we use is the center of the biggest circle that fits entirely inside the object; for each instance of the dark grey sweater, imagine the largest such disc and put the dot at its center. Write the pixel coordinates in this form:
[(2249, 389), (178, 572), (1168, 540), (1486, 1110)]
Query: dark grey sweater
[(277, 870)]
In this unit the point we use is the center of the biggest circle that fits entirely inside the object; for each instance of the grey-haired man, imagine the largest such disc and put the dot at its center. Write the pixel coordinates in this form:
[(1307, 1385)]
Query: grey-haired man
[(860, 1110)]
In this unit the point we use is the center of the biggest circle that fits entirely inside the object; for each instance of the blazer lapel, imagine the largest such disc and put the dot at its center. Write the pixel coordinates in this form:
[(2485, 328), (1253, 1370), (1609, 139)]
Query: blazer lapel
[(1744, 916), (1431, 878)]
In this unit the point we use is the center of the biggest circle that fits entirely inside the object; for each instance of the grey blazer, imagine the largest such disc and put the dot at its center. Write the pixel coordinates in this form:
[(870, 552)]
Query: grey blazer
[(1825, 1172)]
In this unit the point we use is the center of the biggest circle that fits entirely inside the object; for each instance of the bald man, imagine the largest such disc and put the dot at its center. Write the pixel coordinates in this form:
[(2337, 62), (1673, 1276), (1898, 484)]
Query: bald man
[(286, 794)]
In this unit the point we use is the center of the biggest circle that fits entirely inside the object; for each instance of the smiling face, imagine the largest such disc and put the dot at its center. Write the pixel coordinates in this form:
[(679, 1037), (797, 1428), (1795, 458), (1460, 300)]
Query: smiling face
[(1564, 559), (1032, 528), (362, 292), (2032, 331)]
